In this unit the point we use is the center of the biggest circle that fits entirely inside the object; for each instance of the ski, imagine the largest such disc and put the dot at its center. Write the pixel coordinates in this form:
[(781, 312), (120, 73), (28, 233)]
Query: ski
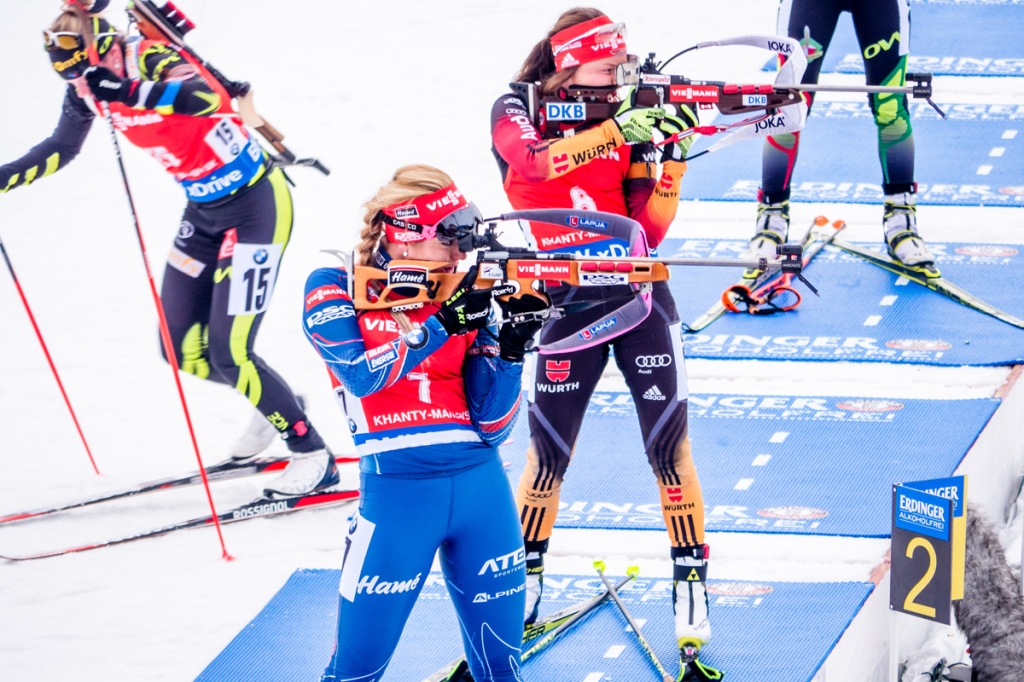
[(566, 620), (259, 508), (812, 242), (937, 284), (224, 471), (547, 628)]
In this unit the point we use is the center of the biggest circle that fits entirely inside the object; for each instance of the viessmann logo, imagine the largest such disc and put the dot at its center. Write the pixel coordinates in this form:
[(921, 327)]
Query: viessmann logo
[(327, 293), (536, 269), (689, 93)]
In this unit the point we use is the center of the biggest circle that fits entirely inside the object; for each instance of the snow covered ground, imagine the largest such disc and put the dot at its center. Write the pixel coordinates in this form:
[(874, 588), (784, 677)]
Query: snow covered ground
[(366, 87)]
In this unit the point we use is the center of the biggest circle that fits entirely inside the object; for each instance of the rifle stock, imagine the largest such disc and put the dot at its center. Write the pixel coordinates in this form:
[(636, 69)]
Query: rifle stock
[(434, 287)]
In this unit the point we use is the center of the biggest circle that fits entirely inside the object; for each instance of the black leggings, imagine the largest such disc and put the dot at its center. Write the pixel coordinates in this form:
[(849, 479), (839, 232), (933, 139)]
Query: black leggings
[(883, 31), (219, 279), (651, 359)]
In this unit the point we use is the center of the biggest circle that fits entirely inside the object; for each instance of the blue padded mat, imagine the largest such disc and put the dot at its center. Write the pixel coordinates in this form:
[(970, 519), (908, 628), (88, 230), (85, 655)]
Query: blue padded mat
[(293, 636), (864, 313), (972, 159), (767, 464), (947, 38)]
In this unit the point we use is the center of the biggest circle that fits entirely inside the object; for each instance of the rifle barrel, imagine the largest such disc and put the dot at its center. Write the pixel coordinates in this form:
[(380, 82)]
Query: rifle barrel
[(905, 90), (771, 264)]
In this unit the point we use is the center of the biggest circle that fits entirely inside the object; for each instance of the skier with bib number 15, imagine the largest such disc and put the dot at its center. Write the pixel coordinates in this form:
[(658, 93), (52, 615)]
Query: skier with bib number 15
[(225, 258)]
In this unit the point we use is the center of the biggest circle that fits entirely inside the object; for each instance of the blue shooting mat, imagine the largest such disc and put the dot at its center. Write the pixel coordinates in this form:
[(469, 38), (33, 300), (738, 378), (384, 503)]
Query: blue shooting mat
[(864, 313), (767, 464), (292, 638), (972, 159), (947, 38)]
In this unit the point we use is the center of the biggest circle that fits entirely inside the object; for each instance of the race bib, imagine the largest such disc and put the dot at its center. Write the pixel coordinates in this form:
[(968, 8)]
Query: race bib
[(226, 140), (253, 273), (357, 542)]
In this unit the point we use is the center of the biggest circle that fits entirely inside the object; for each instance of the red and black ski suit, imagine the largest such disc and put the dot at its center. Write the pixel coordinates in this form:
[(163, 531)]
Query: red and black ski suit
[(224, 262), (595, 169)]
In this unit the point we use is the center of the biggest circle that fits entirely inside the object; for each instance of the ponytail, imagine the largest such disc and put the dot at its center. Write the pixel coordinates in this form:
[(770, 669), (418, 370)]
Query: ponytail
[(539, 66)]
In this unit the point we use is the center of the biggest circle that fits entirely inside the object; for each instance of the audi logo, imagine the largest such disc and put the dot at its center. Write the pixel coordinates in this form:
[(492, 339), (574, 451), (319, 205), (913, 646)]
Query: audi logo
[(654, 361)]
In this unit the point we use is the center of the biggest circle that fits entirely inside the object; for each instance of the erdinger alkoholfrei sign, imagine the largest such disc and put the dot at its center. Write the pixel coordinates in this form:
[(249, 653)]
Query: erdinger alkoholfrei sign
[(922, 553)]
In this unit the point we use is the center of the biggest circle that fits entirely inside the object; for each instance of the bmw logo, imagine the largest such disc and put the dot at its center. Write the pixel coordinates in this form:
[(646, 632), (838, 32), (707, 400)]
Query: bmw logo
[(352, 425), (352, 526), (260, 256), (416, 339)]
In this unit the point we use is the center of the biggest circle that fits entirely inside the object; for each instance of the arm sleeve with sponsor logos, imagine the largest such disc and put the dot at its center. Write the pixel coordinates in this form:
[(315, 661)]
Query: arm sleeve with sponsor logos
[(519, 143), (652, 199), (54, 152), (171, 85), (493, 388), (332, 327)]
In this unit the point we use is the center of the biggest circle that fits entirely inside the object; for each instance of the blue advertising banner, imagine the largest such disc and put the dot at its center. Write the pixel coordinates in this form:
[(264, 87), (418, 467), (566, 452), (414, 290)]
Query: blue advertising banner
[(923, 513)]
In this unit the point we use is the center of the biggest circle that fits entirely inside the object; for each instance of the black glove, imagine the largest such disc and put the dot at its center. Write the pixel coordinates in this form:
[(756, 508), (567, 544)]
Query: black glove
[(108, 86), (515, 339), (467, 309)]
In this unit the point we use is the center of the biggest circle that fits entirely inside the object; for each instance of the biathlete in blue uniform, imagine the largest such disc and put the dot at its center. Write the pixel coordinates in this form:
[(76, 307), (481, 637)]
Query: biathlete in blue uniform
[(429, 394)]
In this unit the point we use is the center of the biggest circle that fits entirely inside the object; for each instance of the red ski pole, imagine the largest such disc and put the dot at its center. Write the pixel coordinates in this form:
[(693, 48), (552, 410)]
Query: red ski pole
[(165, 334), (46, 352)]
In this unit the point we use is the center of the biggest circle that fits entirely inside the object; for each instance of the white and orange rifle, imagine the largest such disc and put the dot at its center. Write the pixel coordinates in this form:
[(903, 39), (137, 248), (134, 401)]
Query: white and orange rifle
[(515, 272)]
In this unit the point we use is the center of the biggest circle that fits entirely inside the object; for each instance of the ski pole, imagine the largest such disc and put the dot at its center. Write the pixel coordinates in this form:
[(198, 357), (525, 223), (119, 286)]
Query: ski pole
[(165, 334), (46, 352), (548, 639), (632, 572)]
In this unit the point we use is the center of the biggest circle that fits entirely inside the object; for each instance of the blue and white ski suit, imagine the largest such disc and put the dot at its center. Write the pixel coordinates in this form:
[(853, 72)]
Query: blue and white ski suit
[(427, 412)]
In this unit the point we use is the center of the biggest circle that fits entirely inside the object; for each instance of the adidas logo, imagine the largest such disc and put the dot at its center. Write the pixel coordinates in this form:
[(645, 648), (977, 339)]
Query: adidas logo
[(569, 61), (654, 393)]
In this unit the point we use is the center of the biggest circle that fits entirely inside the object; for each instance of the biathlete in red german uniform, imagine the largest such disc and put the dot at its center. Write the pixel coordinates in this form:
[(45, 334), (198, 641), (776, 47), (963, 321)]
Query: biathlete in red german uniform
[(611, 166), (224, 261), (429, 394)]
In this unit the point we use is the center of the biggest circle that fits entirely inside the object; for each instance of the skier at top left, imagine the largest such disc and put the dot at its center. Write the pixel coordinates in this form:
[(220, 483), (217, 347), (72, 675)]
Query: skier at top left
[(225, 258)]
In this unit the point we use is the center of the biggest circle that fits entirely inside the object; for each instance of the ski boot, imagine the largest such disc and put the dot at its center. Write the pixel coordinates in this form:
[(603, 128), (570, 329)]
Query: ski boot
[(772, 232), (901, 238), (306, 473), (459, 673), (534, 578), (692, 670), (690, 606), (258, 435)]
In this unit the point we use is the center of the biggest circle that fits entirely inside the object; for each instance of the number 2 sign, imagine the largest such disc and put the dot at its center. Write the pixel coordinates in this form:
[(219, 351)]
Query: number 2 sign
[(922, 554)]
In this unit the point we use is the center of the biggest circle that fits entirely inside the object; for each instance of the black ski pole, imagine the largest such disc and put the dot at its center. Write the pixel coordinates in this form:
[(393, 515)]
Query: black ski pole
[(46, 352)]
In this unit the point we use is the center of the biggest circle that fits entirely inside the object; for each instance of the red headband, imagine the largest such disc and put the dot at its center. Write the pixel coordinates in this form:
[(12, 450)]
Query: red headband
[(416, 220), (588, 42)]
